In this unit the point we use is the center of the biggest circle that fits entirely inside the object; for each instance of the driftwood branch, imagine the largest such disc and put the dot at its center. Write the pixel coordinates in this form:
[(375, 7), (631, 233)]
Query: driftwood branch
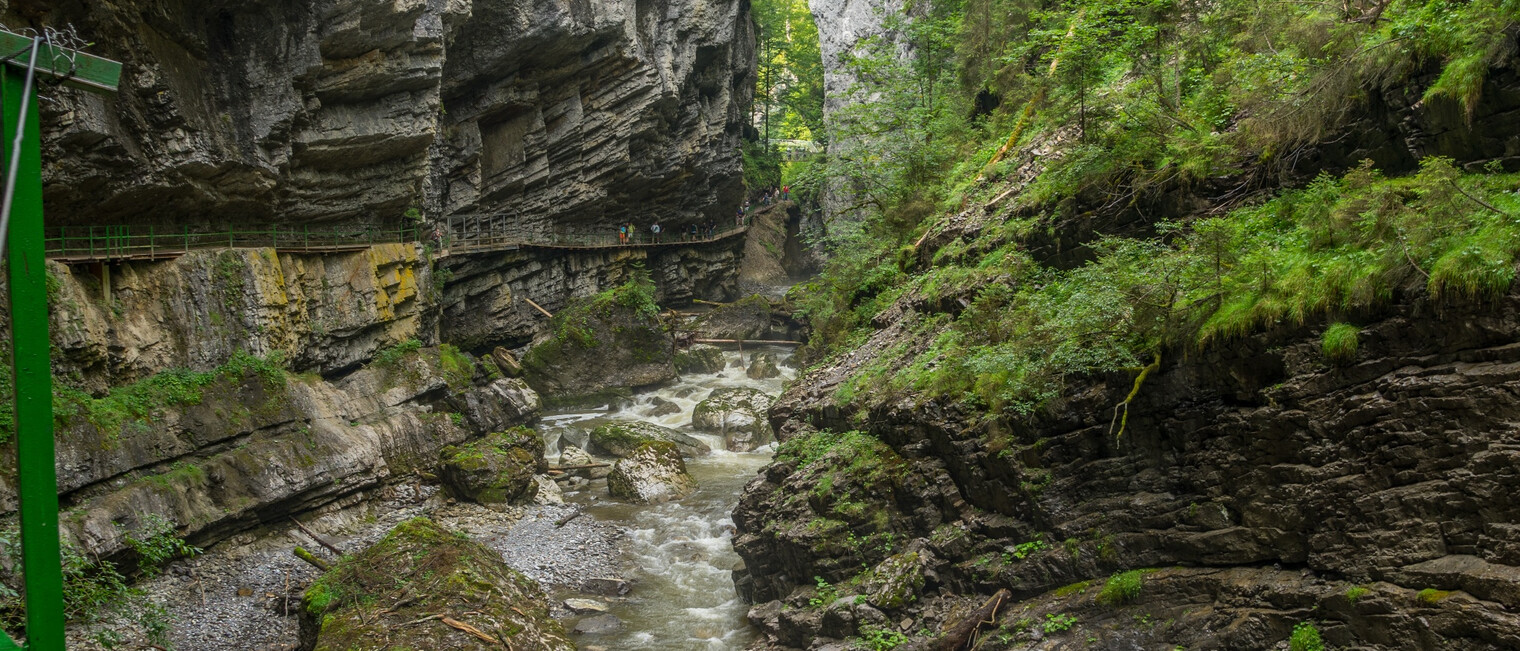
[(454, 623), (583, 466), (330, 547), (565, 520), (538, 307), (307, 556), (959, 634)]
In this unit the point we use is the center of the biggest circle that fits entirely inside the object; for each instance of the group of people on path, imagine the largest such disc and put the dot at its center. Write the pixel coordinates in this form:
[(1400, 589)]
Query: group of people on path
[(708, 229)]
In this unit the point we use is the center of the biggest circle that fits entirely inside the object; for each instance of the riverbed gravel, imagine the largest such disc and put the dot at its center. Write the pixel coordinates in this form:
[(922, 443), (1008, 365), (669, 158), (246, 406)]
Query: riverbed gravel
[(244, 594)]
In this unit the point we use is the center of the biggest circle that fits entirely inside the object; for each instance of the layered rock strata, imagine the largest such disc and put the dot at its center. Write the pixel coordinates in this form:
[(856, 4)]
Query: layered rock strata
[(343, 111)]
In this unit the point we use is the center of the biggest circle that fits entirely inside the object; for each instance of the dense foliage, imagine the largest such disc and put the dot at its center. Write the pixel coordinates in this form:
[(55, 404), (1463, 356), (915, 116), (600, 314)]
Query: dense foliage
[(1125, 98)]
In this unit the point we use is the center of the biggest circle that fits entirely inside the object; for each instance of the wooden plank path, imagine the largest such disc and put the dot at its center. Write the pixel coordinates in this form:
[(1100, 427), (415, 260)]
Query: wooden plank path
[(462, 236)]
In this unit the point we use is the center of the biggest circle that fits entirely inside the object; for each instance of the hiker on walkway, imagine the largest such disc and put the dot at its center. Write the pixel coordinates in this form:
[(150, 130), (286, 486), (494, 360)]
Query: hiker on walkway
[(623, 234), (694, 233), (786, 190), (654, 231)]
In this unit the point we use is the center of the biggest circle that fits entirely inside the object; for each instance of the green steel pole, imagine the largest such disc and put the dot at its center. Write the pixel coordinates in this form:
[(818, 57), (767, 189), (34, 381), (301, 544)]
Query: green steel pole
[(37, 481)]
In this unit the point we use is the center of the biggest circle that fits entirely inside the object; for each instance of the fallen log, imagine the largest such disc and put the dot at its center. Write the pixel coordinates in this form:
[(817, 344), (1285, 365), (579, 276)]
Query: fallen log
[(538, 307), (741, 342), (563, 521), (330, 547), (454, 623), (583, 466), (307, 556), (712, 303), (958, 635)]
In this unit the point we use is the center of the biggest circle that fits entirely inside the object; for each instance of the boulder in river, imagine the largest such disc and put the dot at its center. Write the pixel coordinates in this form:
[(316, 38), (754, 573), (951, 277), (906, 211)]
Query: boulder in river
[(497, 469), (598, 346), (356, 605), (739, 414), (574, 456), (762, 366), (620, 439), (661, 407), (700, 358), (746, 318), (651, 474)]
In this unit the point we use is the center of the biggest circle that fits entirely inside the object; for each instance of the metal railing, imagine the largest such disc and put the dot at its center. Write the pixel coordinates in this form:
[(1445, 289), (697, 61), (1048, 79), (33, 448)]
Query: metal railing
[(460, 234), (150, 242)]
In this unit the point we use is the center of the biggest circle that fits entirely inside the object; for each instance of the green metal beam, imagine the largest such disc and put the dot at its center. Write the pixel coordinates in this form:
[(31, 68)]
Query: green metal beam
[(38, 480), (77, 69)]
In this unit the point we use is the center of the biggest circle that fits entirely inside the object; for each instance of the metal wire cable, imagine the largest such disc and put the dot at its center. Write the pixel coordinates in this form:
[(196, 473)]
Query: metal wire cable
[(10, 178)]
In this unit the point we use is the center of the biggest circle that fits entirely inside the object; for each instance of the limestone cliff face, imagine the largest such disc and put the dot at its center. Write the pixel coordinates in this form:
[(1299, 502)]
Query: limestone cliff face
[(842, 25), (322, 313), (285, 111)]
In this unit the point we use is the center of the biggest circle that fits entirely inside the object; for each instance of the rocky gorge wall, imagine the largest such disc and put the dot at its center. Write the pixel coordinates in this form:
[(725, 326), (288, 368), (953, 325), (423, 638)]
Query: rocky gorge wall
[(1256, 485), (287, 112), (224, 389)]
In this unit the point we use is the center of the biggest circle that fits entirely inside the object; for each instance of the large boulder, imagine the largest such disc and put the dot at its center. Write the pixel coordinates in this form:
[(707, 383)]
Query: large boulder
[(701, 358), (389, 596), (746, 318), (611, 341), (622, 438), (501, 403), (571, 455), (739, 414), (763, 366), (651, 474), (496, 469)]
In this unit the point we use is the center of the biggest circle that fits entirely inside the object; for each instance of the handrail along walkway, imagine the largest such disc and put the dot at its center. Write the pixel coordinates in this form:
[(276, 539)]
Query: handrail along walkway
[(464, 234)]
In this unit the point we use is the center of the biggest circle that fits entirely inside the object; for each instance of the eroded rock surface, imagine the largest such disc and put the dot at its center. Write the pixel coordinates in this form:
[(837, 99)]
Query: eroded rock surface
[(621, 439), (700, 358), (599, 345), (280, 112), (739, 414), (1250, 456), (651, 474), (497, 469)]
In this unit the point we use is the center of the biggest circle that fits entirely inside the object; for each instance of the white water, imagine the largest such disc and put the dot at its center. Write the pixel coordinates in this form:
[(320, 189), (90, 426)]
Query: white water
[(680, 554)]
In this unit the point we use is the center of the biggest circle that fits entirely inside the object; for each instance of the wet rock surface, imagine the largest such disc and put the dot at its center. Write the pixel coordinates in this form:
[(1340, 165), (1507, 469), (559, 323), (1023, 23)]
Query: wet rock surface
[(499, 468), (622, 439), (700, 358), (600, 345), (746, 318), (737, 413), (652, 473), (762, 365)]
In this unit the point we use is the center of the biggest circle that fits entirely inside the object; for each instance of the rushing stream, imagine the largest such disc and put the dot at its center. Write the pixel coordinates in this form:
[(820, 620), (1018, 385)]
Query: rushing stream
[(680, 554)]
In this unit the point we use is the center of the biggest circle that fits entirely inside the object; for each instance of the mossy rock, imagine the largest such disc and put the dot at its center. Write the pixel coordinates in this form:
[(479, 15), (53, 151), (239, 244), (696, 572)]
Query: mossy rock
[(739, 414), (701, 358), (621, 439), (894, 582), (384, 598), (651, 474), (496, 469), (606, 342), (763, 366), (746, 318)]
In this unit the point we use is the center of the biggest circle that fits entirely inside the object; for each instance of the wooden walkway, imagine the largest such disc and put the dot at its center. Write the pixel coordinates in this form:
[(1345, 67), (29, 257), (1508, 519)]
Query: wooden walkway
[(463, 235)]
